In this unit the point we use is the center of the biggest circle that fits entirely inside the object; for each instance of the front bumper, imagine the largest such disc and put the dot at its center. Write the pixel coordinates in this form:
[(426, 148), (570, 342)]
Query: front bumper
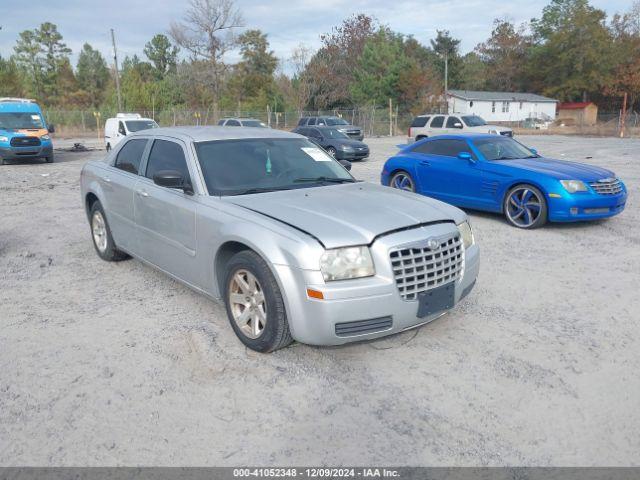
[(374, 300), (17, 153), (352, 155), (583, 206)]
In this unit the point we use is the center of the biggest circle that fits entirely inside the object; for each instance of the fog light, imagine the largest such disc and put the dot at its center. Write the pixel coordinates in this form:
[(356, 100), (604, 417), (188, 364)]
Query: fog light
[(574, 211)]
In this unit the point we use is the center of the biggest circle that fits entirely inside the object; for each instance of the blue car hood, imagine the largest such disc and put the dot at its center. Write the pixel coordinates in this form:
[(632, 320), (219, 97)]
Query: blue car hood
[(560, 169)]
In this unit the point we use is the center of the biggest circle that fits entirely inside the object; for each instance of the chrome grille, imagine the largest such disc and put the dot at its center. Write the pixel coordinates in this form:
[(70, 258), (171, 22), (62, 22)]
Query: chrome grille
[(608, 186), (420, 268)]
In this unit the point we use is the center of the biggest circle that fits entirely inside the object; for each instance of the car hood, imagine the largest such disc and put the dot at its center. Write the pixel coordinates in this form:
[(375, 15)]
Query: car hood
[(348, 214), (560, 169)]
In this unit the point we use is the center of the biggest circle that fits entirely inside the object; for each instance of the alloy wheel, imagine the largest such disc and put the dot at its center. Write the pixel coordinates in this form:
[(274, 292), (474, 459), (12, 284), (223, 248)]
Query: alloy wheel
[(248, 304), (402, 181), (99, 231), (524, 207)]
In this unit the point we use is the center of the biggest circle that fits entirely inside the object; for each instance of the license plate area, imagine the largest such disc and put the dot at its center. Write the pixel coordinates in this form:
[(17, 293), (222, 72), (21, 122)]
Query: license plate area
[(436, 300)]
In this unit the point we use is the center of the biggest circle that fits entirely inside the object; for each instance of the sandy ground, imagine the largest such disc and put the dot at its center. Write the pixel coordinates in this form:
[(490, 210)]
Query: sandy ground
[(116, 364)]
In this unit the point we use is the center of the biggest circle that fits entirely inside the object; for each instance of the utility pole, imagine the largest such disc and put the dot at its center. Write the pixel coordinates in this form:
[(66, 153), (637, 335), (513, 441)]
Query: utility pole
[(115, 59), (624, 115), (446, 79)]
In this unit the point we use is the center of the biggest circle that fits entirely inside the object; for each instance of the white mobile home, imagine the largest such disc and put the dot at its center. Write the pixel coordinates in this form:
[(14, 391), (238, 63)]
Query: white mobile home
[(501, 106)]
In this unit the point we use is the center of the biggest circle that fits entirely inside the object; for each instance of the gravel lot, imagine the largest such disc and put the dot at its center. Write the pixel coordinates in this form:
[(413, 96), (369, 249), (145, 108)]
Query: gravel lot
[(116, 364)]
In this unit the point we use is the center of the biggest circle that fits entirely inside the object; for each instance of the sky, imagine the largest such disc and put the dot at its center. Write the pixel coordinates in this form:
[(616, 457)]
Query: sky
[(288, 23)]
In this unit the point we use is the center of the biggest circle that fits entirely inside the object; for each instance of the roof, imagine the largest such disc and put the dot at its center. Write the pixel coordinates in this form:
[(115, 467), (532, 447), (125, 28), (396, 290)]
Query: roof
[(574, 105), (28, 107), (499, 96), (207, 134)]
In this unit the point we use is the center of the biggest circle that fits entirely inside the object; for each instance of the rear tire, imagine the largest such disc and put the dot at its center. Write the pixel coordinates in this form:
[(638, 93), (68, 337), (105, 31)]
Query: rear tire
[(402, 181), (254, 303), (101, 235)]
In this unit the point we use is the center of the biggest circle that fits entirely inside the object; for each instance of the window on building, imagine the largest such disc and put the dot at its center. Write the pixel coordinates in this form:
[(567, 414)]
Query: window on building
[(505, 107), (521, 104), (493, 107)]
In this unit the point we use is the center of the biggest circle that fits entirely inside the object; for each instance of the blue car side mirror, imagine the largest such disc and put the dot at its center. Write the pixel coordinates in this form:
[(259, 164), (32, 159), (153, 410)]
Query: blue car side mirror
[(534, 151), (466, 156)]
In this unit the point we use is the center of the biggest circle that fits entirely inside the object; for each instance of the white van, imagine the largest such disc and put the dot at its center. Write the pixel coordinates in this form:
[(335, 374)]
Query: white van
[(115, 129)]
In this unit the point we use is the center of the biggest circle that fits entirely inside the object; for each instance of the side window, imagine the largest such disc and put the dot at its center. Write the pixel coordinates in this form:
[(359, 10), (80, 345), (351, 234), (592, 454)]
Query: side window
[(437, 122), (220, 122), (121, 129), (166, 155), (321, 121), (130, 155), (447, 148), (420, 121), (451, 148), (232, 123), (451, 122), (302, 121), (312, 121), (315, 133)]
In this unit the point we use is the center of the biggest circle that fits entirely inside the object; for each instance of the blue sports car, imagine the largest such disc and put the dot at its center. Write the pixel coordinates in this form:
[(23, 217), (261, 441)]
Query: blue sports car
[(499, 174)]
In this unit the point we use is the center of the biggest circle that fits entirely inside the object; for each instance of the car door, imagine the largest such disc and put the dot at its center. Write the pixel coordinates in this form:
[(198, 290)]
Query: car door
[(118, 184), (441, 174), (166, 217), (453, 125), (436, 125)]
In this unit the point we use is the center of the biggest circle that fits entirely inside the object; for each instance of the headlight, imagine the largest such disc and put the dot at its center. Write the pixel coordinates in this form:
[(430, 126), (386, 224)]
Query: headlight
[(467, 234), (346, 148), (573, 186), (344, 263), (4, 139), (45, 137)]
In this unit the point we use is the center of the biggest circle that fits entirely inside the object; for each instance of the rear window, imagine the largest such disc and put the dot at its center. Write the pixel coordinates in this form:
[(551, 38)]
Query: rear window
[(302, 121), (420, 121)]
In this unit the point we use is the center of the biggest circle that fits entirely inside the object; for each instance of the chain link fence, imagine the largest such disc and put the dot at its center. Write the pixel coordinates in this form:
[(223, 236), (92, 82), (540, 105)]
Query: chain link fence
[(375, 121)]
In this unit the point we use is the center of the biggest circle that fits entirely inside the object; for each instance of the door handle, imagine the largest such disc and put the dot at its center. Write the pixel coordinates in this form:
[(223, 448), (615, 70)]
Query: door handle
[(425, 163), (106, 179), (142, 193)]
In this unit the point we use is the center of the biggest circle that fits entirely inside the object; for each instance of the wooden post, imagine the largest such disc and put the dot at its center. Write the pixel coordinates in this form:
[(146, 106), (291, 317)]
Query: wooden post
[(390, 118), (97, 115), (624, 115)]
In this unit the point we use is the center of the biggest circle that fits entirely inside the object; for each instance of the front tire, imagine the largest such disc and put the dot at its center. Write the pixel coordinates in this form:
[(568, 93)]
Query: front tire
[(332, 151), (403, 181), (525, 207), (49, 159), (254, 303), (101, 235)]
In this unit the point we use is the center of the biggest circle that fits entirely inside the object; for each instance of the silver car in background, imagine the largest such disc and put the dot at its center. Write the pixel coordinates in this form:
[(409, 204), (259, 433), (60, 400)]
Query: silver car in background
[(292, 243)]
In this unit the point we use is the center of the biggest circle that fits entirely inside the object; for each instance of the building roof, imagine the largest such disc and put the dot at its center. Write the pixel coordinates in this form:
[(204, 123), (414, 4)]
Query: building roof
[(205, 133), (574, 105), (499, 96)]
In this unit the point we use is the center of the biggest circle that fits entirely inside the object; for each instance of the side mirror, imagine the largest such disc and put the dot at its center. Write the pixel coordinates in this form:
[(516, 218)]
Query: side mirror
[(346, 164), (466, 156), (172, 179), (534, 151), (457, 125), (52, 128)]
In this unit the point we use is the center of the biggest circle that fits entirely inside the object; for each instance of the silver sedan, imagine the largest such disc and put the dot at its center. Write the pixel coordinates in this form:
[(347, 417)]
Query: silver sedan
[(267, 221)]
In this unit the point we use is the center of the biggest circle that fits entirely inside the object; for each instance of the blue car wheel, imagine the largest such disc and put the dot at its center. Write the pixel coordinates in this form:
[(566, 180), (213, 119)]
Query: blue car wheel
[(402, 181), (525, 207)]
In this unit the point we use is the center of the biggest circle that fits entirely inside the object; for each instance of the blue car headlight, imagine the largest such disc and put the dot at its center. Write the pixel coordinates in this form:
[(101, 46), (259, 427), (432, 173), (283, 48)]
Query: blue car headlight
[(45, 137), (4, 139), (573, 186)]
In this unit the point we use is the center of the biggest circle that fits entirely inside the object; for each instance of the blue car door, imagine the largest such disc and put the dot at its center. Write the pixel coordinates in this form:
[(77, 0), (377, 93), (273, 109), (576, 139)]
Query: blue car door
[(442, 175)]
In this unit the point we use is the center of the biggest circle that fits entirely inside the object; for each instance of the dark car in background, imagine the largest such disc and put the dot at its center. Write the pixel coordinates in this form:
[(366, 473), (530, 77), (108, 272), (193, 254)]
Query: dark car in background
[(330, 121), (335, 142), (242, 122)]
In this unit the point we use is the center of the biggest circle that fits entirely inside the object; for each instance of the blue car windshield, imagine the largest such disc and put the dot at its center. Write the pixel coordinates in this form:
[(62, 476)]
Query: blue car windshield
[(502, 148), (20, 121), (257, 165)]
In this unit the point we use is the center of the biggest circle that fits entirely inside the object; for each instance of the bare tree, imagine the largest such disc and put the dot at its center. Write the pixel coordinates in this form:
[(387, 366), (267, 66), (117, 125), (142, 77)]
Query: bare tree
[(301, 81), (206, 32)]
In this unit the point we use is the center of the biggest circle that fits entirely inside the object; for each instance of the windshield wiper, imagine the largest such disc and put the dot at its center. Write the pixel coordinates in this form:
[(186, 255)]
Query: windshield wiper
[(324, 179), (249, 191), (506, 158)]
